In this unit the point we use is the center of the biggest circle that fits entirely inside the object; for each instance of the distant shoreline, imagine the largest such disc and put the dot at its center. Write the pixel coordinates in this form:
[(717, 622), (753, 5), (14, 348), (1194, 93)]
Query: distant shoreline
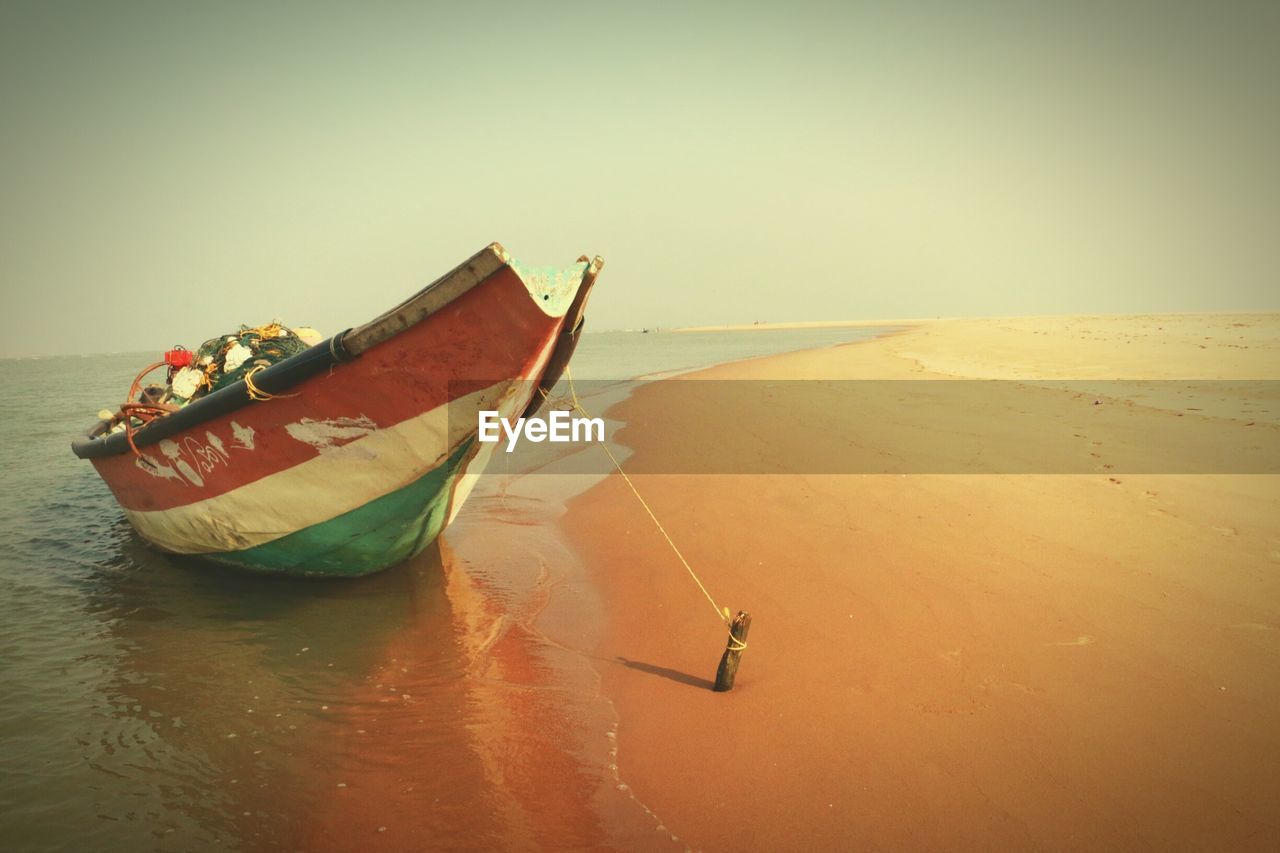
[(803, 324), (923, 321)]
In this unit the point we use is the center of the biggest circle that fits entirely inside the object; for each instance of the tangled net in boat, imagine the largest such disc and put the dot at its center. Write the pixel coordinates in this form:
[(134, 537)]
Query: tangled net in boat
[(219, 362), (227, 359)]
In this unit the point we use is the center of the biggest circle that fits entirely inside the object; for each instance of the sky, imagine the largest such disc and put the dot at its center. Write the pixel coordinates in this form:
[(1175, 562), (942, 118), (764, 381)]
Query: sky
[(169, 171)]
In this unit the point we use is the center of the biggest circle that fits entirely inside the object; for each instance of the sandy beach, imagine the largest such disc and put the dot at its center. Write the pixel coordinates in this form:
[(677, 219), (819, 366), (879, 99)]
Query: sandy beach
[(939, 340), (960, 661)]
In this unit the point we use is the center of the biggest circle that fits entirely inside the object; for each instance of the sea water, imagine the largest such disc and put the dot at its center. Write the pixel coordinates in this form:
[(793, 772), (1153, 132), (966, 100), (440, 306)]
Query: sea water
[(161, 703)]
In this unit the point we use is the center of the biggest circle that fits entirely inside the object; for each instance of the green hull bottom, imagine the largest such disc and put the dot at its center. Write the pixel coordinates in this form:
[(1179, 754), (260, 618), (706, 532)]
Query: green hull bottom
[(376, 536)]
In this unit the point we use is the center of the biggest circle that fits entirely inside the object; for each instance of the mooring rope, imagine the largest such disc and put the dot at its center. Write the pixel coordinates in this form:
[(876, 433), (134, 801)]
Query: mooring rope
[(735, 644)]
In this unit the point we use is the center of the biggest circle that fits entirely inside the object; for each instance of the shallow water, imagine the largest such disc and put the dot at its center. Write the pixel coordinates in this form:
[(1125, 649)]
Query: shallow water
[(161, 703)]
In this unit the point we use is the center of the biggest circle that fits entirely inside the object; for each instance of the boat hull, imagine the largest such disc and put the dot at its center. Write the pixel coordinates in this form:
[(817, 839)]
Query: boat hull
[(384, 532), (360, 466)]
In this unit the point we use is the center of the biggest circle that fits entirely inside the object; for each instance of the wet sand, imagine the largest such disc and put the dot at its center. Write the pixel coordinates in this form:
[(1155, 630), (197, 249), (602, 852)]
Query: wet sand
[(961, 661), (475, 728)]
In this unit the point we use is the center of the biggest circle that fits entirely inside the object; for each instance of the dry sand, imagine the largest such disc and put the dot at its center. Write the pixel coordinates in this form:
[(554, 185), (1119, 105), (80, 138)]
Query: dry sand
[(962, 661), (805, 324)]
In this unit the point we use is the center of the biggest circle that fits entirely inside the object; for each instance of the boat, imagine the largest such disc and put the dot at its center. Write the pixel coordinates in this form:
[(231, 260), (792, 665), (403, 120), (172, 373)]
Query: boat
[(354, 454)]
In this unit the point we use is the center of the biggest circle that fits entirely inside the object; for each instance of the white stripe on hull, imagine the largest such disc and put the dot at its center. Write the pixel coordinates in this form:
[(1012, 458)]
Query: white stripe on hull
[(512, 408), (340, 479)]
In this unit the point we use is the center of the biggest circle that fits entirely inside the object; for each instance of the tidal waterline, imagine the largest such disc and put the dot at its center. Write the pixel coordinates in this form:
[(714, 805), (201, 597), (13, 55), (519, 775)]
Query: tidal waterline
[(161, 703)]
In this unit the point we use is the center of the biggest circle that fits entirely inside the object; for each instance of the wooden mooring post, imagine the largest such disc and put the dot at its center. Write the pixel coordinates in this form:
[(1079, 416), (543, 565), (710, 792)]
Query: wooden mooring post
[(728, 669)]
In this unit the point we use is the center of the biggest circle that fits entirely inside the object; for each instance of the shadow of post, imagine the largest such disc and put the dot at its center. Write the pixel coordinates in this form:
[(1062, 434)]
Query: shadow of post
[(664, 672)]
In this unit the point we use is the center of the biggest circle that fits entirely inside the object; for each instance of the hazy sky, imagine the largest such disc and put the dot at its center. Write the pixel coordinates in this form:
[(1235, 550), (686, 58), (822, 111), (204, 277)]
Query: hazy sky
[(171, 170)]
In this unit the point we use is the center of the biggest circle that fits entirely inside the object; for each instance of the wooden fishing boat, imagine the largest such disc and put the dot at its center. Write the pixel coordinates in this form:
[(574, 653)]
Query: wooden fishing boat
[(353, 455)]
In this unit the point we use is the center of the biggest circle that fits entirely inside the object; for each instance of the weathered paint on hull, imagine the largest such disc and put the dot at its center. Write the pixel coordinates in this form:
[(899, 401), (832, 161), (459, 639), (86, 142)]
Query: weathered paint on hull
[(382, 533)]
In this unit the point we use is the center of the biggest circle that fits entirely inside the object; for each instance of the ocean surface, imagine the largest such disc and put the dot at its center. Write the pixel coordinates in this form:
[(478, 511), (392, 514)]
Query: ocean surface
[(153, 702)]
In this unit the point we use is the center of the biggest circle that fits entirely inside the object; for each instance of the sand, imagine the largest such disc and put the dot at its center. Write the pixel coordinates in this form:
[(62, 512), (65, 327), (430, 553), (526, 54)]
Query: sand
[(959, 661), (805, 324)]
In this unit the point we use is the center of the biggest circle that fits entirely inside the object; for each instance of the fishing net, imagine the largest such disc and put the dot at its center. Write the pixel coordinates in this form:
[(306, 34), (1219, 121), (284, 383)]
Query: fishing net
[(226, 359), (219, 362)]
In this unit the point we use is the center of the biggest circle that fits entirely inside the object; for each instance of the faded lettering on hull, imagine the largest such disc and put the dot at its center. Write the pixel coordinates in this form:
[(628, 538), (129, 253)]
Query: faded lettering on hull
[(192, 459)]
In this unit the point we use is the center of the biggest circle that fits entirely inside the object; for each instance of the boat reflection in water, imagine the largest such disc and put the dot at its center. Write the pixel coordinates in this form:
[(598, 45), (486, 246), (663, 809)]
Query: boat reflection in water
[(419, 703)]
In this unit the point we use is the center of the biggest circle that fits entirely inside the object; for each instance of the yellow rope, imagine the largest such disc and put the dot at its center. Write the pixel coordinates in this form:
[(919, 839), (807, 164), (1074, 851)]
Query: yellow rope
[(272, 330), (256, 393), (723, 613)]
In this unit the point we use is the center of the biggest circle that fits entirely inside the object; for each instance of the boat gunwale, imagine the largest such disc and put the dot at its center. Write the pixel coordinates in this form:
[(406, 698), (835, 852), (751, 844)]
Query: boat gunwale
[(285, 374)]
